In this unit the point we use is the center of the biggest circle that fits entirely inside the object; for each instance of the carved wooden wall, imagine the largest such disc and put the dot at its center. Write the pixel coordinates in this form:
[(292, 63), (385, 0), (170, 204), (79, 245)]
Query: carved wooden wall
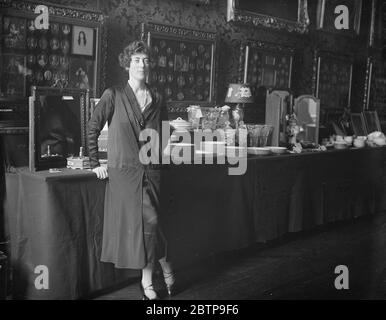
[(125, 18)]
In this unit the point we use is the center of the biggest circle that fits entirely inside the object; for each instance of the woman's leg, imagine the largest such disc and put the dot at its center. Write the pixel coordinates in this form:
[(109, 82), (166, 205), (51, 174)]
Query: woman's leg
[(147, 282), (169, 276), (150, 229)]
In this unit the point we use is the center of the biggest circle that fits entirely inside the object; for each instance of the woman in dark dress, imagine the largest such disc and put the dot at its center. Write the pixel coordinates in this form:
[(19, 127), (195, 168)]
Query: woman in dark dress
[(132, 237)]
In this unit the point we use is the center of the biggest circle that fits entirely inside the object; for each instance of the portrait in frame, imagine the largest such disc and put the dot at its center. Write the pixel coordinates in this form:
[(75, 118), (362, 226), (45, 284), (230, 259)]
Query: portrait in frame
[(83, 41), (81, 73), (57, 126)]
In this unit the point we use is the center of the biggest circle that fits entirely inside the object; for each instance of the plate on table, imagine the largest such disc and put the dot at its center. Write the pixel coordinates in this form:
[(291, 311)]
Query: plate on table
[(278, 150), (203, 152), (233, 151), (259, 151), (182, 144)]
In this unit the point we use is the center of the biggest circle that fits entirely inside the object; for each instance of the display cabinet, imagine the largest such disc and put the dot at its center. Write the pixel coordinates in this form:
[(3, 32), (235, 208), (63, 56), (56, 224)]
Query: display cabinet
[(182, 67), (67, 52), (265, 67), (266, 64), (332, 84)]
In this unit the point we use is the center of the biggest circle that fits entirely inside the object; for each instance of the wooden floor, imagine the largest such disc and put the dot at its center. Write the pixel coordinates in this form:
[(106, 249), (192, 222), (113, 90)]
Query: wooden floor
[(299, 266)]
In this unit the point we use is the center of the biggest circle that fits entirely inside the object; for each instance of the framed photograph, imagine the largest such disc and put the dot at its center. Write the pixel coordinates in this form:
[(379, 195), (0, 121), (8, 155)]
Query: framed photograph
[(14, 32), (57, 126), (326, 15), (83, 41), (182, 65), (82, 74), (290, 15)]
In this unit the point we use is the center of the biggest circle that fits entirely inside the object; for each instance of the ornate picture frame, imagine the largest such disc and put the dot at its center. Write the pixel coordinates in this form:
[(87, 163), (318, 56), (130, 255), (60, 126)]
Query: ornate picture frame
[(49, 53), (182, 65), (261, 16), (57, 126)]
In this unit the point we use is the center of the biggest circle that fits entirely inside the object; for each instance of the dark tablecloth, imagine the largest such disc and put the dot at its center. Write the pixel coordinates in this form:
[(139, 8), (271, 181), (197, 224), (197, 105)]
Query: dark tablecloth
[(56, 219)]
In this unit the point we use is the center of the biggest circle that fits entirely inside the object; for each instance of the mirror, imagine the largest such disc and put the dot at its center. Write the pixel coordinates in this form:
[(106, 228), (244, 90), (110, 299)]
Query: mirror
[(290, 15), (372, 121), (57, 126), (307, 109), (358, 124)]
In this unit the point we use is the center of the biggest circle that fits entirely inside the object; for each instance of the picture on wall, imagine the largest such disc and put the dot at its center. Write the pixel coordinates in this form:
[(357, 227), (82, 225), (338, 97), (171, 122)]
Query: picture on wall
[(81, 73), (13, 82), (182, 68), (83, 41), (264, 64), (334, 76), (14, 32)]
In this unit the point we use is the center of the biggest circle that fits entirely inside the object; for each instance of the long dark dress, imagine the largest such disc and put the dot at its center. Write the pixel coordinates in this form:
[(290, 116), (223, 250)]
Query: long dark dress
[(131, 232)]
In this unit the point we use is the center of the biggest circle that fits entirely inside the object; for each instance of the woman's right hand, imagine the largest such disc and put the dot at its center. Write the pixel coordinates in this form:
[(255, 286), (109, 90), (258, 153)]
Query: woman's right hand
[(101, 172)]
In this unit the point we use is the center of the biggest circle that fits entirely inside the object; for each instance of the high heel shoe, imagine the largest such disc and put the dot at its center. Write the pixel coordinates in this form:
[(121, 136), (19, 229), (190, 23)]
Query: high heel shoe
[(149, 289), (170, 282)]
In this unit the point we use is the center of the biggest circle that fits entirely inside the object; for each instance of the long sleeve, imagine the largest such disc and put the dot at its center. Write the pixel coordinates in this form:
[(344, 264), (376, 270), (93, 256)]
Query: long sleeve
[(103, 112)]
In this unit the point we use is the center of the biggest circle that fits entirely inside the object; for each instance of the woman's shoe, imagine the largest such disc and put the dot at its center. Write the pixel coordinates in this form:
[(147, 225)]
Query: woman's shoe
[(170, 281), (148, 293)]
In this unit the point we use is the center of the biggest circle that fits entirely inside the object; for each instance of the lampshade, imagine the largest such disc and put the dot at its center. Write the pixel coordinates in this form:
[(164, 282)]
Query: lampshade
[(239, 93)]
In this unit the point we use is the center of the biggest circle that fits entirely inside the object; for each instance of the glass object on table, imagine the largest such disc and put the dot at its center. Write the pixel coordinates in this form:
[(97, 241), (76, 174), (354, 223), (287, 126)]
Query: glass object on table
[(210, 118), (242, 135), (194, 116), (223, 119), (259, 135), (229, 135)]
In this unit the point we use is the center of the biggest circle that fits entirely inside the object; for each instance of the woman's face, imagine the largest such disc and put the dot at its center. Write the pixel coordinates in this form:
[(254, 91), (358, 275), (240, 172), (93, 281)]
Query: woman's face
[(139, 66)]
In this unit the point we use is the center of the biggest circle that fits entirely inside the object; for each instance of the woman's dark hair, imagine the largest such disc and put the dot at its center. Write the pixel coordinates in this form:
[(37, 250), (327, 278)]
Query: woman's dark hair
[(134, 47), (84, 38)]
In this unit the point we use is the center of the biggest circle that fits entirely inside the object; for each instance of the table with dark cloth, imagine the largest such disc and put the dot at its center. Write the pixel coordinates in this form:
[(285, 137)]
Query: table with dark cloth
[(57, 219)]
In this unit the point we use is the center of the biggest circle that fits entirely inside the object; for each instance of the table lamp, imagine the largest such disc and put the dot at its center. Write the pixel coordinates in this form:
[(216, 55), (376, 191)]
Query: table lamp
[(239, 93)]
